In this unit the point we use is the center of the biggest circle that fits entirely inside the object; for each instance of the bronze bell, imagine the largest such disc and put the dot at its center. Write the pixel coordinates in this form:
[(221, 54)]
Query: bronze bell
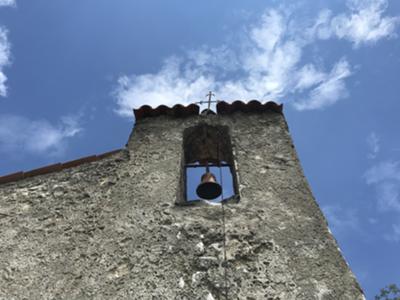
[(209, 188)]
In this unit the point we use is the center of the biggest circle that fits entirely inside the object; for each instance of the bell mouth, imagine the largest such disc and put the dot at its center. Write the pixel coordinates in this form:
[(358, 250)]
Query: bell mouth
[(209, 190)]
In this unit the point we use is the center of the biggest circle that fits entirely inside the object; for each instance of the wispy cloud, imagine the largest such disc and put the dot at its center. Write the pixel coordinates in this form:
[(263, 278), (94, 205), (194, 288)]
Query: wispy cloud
[(383, 171), (174, 81), (394, 235), (267, 64), (373, 145), (388, 196), (385, 178), (4, 60), (4, 50), (364, 24), (340, 220), (7, 3), (22, 135), (331, 89)]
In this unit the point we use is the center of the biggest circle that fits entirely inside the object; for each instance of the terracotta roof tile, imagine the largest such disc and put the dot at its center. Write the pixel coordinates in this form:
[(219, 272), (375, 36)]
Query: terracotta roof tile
[(107, 154), (224, 108), (178, 110), (11, 177), (43, 170), (55, 167), (79, 161)]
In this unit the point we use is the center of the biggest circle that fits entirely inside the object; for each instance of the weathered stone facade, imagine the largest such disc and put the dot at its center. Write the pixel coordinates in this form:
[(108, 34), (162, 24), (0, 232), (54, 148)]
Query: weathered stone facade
[(110, 229)]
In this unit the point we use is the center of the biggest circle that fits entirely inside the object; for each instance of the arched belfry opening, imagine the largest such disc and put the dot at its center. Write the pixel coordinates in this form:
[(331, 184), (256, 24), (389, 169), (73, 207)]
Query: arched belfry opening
[(208, 162)]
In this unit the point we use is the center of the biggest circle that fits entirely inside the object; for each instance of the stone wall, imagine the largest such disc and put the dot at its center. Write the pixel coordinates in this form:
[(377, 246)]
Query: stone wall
[(111, 229)]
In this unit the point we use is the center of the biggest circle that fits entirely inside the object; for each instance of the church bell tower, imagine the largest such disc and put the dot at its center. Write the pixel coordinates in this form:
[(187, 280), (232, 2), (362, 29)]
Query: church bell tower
[(235, 209), (211, 205)]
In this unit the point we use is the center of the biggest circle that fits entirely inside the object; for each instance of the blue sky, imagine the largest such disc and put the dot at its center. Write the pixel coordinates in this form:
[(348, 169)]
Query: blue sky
[(70, 72)]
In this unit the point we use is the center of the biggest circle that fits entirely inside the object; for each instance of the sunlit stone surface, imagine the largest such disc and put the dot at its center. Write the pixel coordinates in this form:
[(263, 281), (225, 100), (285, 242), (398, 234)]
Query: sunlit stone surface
[(111, 229)]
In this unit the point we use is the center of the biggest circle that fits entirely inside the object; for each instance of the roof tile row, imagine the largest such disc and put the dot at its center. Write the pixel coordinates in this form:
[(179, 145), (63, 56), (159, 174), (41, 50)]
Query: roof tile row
[(223, 107), (178, 110), (55, 167)]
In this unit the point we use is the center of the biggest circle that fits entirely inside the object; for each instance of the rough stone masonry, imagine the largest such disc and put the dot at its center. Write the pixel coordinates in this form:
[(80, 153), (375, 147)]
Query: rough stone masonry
[(111, 229)]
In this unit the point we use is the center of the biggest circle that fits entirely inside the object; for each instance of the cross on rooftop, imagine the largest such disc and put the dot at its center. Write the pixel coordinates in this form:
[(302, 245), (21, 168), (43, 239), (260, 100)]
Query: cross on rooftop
[(209, 100)]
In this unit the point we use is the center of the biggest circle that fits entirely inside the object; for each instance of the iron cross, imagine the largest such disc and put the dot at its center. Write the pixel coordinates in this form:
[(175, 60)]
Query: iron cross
[(209, 100)]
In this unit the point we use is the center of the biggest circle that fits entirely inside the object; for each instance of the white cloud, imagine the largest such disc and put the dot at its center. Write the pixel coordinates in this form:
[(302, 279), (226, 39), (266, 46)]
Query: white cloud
[(385, 177), (388, 196), (340, 220), (19, 134), (4, 60), (330, 89), (308, 76), (394, 236), (364, 24), (267, 64), (7, 3), (174, 82), (269, 60), (383, 171), (373, 144), (4, 51)]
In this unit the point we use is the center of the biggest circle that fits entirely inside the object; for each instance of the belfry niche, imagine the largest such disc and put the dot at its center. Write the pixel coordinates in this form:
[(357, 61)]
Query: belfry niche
[(208, 165)]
